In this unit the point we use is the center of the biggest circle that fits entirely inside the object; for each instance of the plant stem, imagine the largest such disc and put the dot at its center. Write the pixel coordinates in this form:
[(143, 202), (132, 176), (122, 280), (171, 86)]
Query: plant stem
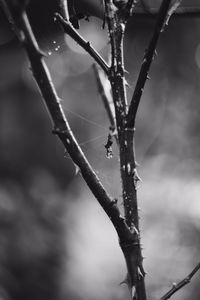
[(181, 284), (106, 101), (132, 252), (147, 60), (69, 29)]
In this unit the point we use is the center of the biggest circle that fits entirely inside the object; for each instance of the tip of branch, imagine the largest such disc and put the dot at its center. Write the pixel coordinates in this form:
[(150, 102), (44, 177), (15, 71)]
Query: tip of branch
[(57, 17)]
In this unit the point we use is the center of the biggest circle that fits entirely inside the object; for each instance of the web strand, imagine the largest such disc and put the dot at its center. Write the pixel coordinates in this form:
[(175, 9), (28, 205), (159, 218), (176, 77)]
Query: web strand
[(86, 119), (93, 139)]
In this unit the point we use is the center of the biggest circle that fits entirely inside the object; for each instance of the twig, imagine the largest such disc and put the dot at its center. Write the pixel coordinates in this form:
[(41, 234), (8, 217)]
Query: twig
[(106, 101), (181, 284), (61, 126), (147, 60), (69, 29)]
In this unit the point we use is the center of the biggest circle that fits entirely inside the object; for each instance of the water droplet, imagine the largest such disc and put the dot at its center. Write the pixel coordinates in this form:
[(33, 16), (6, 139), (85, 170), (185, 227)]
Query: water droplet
[(57, 48)]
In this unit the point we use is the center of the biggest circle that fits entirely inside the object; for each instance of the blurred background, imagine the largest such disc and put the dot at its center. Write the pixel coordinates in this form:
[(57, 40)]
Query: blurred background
[(55, 241)]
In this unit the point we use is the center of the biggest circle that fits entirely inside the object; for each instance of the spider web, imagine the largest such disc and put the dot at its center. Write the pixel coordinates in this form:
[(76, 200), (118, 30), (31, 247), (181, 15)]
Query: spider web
[(106, 169)]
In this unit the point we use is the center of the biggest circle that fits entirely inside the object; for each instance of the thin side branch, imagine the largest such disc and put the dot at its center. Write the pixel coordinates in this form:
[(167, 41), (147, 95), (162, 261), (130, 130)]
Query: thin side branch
[(148, 57), (182, 283), (106, 101), (69, 29)]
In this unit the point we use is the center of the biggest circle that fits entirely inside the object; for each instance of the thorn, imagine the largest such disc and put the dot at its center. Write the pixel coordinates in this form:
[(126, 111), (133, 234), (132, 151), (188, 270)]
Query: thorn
[(136, 179), (133, 293), (137, 164), (136, 176), (77, 169), (126, 281), (41, 53), (140, 273), (66, 154), (174, 284), (144, 61), (136, 230)]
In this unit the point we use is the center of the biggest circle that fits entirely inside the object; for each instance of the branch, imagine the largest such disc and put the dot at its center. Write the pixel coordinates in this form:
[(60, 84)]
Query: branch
[(116, 18), (106, 101), (110, 20), (148, 57), (69, 29), (61, 126), (181, 284)]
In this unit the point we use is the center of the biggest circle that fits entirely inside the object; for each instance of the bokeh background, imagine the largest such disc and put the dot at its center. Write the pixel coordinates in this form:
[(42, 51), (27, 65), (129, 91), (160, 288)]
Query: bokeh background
[(55, 241)]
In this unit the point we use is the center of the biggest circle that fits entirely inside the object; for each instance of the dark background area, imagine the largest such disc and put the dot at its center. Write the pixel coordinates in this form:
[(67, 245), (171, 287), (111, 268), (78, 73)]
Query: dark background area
[(55, 242)]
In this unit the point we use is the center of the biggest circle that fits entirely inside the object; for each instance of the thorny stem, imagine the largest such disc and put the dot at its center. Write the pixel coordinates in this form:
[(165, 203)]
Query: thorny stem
[(69, 29), (147, 60), (116, 22), (182, 283), (61, 126)]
